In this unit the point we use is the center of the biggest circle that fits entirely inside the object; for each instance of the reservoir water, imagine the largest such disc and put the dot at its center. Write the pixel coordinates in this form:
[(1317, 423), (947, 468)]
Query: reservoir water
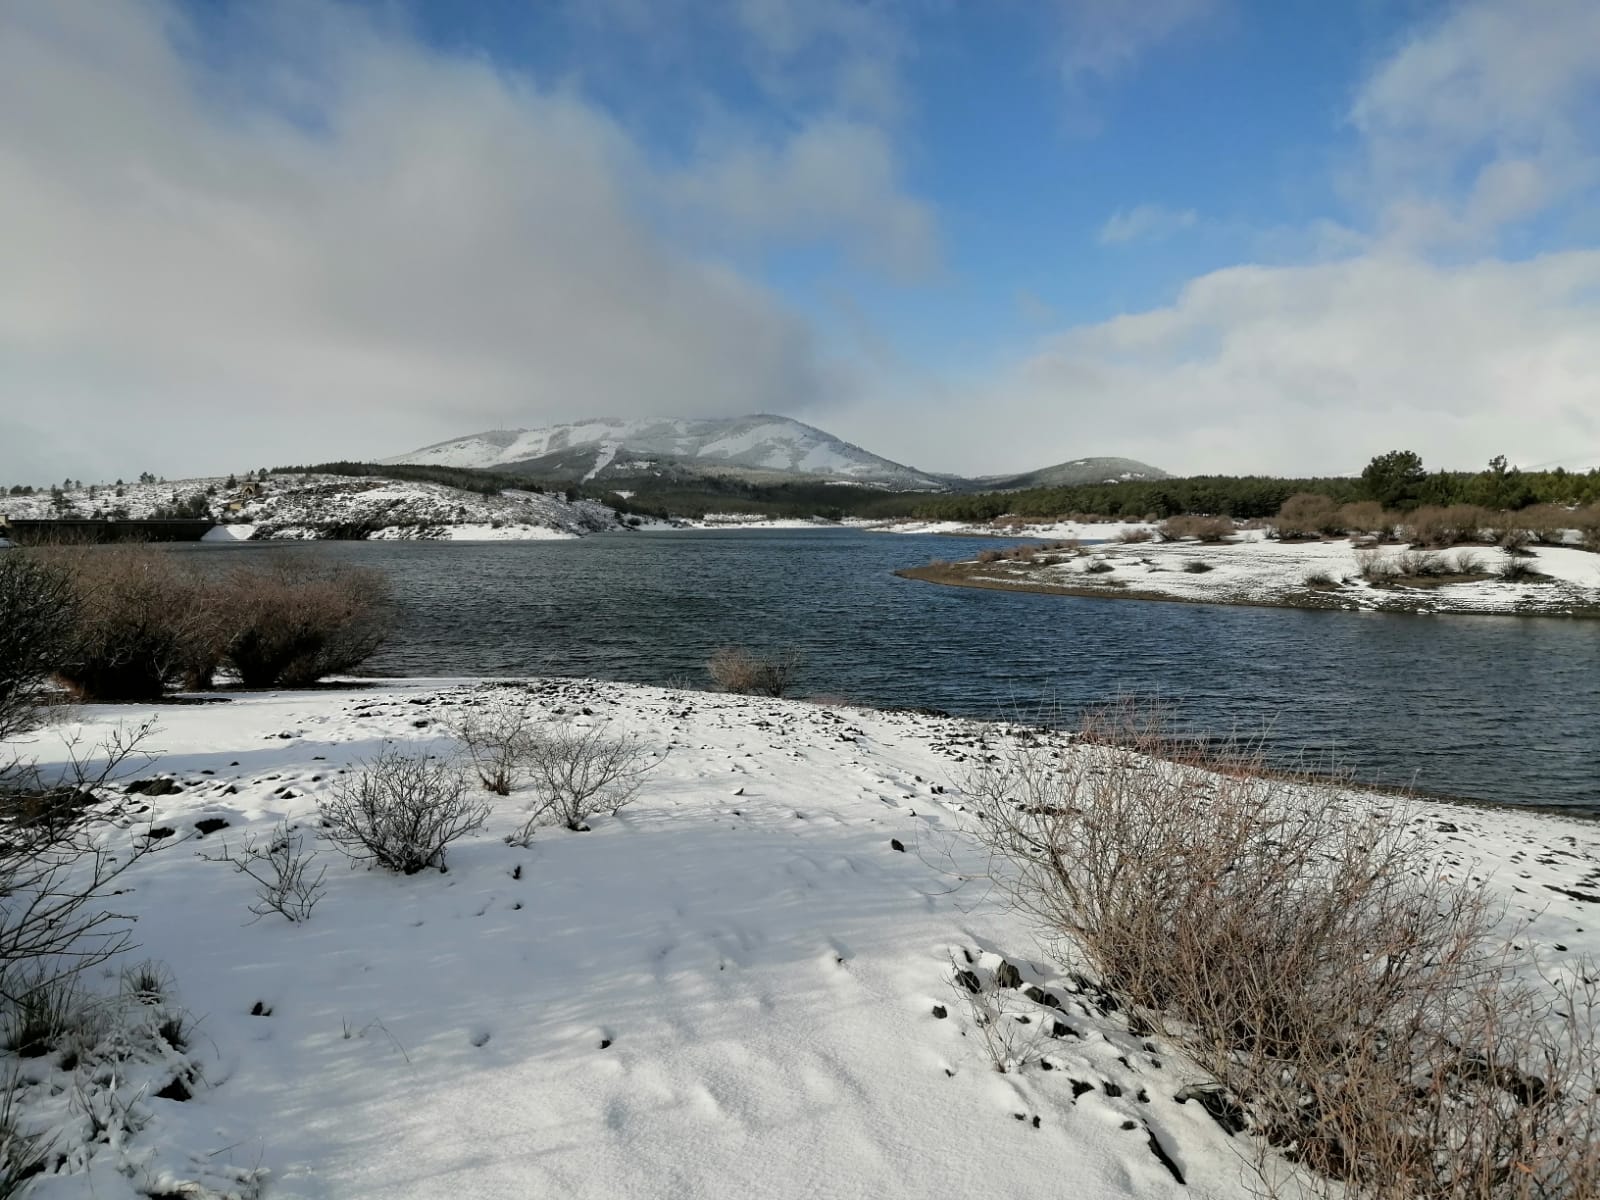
[(1495, 708)]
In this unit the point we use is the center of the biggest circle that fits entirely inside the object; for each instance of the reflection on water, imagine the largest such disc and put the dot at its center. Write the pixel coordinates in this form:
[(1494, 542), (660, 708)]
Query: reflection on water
[(1494, 708)]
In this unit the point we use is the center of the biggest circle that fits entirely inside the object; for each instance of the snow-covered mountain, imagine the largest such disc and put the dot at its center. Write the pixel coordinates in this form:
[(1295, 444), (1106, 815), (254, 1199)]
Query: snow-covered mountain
[(1078, 472), (759, 447)]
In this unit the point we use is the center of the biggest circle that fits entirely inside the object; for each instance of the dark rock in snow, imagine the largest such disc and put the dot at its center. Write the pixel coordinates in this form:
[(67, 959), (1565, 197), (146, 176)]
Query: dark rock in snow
[(896, 844), (969, 981), (1007, 976)]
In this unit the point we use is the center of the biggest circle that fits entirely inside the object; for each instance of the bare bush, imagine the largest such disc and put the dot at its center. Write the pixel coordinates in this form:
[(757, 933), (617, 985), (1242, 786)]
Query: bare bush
[(1366, 517), (1134, 536), (1197, 566), (281, 870), (401, 811), (138, 617), (58, 863), (739, 670), (1439, 528), (1587, 522), (497, 740), (1204, 529), (1006, 1023), (1309, 952), (989, 556), (1309, 514), (294, 622), (580, 770), (37, 605)]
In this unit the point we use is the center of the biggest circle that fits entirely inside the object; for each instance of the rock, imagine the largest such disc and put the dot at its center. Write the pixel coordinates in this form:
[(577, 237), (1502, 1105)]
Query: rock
[(1039, 996), (1007, 976), (940, 1011), (896, 844), (209, 825), (152, 787), (969, 981)]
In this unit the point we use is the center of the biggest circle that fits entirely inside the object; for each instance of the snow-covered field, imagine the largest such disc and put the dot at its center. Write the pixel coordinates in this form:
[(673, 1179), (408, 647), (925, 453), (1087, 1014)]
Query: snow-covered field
[(737, 987), (1252, 569), (1088, 531), (309, 506)]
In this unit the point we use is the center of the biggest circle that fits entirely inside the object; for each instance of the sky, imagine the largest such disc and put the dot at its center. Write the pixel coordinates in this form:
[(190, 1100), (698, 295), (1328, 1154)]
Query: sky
[(1233, 236)]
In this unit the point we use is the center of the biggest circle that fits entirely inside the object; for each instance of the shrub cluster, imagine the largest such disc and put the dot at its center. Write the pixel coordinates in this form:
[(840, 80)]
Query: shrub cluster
[(1348, 994), (743, 672), (1205, 529), (128, 622)]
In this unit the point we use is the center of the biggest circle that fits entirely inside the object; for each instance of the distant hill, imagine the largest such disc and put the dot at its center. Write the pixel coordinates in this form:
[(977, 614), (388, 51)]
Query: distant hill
[(1079, 472), (612, 451), (652, 454)]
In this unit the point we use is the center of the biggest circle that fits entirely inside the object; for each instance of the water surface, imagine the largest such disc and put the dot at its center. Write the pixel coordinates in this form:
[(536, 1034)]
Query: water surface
[(1495, 708)]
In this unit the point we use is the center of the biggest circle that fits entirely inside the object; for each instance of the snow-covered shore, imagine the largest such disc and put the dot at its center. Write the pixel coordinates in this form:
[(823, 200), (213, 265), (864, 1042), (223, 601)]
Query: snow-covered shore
[(296, 507), (1250, 568), (731, 988)]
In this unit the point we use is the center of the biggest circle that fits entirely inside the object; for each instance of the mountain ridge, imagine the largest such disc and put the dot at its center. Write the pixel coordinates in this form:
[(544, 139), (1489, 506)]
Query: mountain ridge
[(762, 447)]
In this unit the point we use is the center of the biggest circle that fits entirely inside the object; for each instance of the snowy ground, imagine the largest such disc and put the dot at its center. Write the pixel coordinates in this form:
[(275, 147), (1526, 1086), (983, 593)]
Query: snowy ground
[(733, 988), (1252, 569), (1086, 531), (309, 506)]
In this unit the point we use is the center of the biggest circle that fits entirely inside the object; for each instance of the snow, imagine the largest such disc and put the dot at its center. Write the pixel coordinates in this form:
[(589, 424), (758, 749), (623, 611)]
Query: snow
[(305, 507), (1086, 531), (1250, 568), (761, 443), (762, 962)]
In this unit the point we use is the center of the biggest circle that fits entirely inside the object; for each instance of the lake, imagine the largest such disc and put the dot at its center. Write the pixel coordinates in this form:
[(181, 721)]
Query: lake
[(1494, 708)]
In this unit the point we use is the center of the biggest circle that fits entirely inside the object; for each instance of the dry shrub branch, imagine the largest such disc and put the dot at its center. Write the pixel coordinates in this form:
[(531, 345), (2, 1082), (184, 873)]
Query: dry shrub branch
[(1307, 951)]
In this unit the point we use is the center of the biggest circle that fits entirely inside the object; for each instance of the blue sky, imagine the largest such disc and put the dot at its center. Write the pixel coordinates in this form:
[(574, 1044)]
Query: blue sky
[(1218, 235)]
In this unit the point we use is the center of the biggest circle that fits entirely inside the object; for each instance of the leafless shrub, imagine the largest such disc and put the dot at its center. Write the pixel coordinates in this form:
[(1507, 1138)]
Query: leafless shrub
[(1204, 529), (1517, 570), (497, 740), (1467, 562), (401, 811), (281, 870), (1197, 566), (989, 556), (1308, 514), (1097, 566), (738, 670), (580, 770), (59, 863), (37, 605), (1310, 953), (1323, 579), (1366, 517), (138, 617), (1439, 528), (1008, 1024), (293, 622), (1133, 536)]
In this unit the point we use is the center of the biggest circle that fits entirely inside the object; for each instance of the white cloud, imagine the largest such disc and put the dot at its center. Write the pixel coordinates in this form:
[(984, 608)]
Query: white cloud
[(1481, 119), (833, 179), (1145, 222), (404, 246), (1106, 39), (1315, 369)]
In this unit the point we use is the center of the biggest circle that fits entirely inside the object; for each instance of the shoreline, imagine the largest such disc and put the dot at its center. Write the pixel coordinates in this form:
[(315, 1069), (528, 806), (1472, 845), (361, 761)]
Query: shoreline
[(1319, 576)]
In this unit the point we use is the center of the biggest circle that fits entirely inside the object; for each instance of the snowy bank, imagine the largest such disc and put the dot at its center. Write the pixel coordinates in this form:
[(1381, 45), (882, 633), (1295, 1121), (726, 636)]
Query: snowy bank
[(1335, 574), (738, 986)]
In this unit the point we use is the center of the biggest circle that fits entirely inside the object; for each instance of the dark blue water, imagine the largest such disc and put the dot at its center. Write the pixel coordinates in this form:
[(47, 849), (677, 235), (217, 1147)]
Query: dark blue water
[(1504, 709)]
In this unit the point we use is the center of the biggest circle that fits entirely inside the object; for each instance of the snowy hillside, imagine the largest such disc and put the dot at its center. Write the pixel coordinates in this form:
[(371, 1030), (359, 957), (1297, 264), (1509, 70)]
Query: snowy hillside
[(609, 448), (1080, 472), (320, 506)]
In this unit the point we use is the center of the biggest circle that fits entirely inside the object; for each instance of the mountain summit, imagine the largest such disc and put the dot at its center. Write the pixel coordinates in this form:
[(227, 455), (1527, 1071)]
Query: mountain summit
[(760, 448)]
